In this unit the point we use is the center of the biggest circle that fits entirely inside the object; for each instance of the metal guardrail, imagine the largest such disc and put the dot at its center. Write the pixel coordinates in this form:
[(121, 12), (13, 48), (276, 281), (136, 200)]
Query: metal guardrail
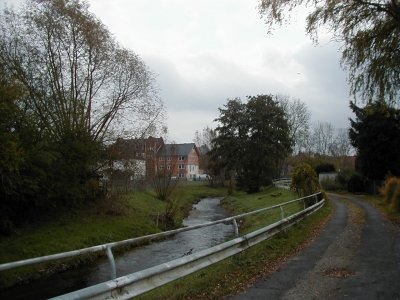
[(282, 183), (108, 247), (134, 284)]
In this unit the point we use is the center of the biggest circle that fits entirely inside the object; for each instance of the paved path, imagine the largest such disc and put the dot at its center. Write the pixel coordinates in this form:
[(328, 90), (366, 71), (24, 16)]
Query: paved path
[(356, 256)]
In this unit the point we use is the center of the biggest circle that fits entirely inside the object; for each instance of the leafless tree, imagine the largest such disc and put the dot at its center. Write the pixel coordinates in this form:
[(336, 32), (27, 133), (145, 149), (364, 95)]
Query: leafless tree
[(164, 182), (76, 76), (322, 137), (341, 145), (298, 117), (204, 138)]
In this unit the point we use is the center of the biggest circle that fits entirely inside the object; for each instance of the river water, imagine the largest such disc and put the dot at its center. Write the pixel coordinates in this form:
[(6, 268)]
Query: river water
[(137, 259)]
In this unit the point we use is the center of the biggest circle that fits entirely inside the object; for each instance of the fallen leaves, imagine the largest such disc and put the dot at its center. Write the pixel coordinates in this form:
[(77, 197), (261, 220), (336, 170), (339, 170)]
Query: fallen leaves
[(338, 272)]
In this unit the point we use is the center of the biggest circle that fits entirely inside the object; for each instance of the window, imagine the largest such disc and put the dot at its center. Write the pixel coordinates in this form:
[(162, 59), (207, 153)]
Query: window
[(181, 158), (161, 158), (168, 167), (169, 158), (182, 167)]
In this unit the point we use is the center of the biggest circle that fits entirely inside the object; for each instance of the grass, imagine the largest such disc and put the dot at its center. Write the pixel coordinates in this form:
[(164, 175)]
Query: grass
[(236, 273), (109, 220), (241, 202), (385, 208)]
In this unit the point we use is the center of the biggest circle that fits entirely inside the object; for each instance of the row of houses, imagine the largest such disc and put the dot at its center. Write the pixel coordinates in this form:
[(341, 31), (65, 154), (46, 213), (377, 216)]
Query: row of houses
[(144, 158)]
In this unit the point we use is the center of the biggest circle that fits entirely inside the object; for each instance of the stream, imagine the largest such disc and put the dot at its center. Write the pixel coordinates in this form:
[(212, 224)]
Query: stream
[(134, 260)]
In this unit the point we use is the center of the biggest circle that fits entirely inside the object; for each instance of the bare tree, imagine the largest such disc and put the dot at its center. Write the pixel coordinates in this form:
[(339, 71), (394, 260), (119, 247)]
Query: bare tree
[(298, 117), (341, 145), (322, 137), (77, 78), (164, 182), (204, 138)]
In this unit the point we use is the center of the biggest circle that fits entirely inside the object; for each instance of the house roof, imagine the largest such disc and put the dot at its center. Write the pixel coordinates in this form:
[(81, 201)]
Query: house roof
[(177, 149), (131, 148)]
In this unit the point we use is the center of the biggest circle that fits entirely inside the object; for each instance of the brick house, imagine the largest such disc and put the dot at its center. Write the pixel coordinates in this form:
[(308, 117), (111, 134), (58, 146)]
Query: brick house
[(179, 160), (143, 158), (135, 156)]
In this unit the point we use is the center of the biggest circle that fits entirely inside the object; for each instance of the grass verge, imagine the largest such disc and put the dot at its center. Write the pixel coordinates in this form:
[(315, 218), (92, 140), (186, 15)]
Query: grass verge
[(385, 208), (238, 272)]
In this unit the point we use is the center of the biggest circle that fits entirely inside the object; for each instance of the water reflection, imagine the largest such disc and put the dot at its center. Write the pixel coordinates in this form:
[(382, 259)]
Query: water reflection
[(150, 255)]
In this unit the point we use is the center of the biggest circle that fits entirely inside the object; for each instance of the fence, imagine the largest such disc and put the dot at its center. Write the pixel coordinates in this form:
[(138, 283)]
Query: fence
[(283, 183), (137, 283)]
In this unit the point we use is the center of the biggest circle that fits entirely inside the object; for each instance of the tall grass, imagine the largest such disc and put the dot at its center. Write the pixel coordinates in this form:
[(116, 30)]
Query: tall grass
[(391, 192)]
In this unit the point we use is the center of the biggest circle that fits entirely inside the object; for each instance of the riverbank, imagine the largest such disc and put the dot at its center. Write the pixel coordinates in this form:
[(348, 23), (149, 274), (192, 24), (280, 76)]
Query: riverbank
[(135, 215), (131, 215)]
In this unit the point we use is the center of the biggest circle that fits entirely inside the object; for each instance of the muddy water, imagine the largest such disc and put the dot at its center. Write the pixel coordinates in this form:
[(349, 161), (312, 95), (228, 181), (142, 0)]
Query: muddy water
[(137, 259)]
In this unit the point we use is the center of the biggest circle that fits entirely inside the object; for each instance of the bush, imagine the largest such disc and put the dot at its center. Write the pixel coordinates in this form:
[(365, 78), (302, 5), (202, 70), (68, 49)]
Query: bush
[(304, 180), (388, 190), (349, 180), (331, 184), (343, 177), (391, 192), (396, 200), (356, 184)]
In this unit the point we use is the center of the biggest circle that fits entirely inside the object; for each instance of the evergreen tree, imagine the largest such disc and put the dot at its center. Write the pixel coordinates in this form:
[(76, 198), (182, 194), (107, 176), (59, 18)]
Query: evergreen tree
[(252, 139), (375, 133)]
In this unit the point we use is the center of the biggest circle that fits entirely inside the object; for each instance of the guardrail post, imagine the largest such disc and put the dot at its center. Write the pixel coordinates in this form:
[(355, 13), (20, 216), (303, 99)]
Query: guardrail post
[(235, 227), (282, 212), (112, 262)]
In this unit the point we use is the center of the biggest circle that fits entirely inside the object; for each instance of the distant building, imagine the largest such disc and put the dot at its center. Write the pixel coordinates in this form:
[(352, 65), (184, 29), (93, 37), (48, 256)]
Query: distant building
[(135, 157), (331, 176), (179, 160), (144, 158)]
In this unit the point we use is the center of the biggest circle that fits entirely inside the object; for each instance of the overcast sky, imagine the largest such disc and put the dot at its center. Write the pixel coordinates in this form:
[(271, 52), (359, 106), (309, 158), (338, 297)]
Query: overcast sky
[(204, 52)]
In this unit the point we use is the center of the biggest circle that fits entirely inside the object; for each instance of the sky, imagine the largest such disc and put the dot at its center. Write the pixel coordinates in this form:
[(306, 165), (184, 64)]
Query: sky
[(205, 52)]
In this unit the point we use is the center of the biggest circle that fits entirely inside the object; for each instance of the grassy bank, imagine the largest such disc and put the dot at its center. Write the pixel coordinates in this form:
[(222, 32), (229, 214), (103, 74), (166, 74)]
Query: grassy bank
[(110, 220), (236, 273), (241, 202)]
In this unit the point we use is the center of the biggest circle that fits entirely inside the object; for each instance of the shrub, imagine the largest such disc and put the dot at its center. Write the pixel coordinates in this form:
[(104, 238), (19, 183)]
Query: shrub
[(350, 180), (356, 183), (396, 199), (331, 184), (391, 192), (389, 188), (304, 180)]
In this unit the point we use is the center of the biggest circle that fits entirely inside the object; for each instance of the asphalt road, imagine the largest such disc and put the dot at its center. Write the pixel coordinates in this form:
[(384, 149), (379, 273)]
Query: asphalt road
[(356, 256)]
